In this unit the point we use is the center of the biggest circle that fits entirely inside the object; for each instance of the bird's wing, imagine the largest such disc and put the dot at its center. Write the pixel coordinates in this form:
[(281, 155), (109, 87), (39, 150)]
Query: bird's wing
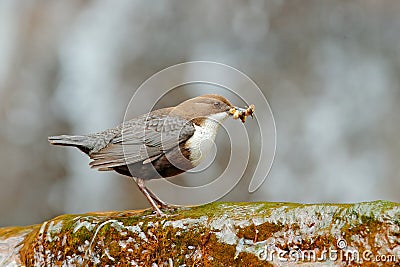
[(143, 140)]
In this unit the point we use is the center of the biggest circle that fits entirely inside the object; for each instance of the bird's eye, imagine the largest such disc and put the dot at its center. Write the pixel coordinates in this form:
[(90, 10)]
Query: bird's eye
[(217, 104)]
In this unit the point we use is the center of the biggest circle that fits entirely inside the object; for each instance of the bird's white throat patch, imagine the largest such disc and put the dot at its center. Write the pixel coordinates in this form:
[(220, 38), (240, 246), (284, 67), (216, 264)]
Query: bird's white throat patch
[(203, 138)]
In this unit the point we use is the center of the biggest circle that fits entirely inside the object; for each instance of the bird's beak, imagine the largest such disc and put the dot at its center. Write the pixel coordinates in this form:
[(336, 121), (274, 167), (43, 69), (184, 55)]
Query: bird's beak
[(242, 113)]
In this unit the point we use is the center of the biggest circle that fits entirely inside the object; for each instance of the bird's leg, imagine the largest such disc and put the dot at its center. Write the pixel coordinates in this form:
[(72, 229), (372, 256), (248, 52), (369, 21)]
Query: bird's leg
[(141, 184), (157, 200), (162, 204)]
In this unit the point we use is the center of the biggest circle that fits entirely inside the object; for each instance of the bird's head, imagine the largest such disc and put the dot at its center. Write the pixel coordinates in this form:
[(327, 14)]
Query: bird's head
[(211, 106)]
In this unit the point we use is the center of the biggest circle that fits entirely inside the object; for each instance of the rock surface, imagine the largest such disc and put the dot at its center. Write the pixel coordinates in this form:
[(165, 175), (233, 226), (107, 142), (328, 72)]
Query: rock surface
[(218, 234)]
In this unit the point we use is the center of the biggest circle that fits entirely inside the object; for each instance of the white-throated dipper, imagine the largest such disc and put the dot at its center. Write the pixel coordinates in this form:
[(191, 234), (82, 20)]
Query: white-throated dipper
[(162, 143)]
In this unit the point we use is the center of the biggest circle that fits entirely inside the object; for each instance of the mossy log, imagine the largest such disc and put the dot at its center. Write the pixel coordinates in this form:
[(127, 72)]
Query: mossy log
[(218, 234)]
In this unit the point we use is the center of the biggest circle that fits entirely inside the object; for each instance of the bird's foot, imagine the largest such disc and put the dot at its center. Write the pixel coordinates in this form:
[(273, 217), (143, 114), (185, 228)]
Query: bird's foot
[(170, 207), (165, 206), (160, 213)]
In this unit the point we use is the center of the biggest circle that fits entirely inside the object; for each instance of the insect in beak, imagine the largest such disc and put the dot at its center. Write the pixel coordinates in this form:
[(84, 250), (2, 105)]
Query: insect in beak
[(242, 113)]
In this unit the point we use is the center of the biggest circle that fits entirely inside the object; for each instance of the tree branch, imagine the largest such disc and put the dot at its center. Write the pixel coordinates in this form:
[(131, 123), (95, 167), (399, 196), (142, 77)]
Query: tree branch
[(218, 234)]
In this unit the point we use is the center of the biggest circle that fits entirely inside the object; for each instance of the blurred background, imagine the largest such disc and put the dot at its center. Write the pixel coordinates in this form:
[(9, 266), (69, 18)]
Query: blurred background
[(329, 69)]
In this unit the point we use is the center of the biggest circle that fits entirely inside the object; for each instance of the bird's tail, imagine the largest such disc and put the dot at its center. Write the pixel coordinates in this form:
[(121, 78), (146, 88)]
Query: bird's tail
[(80, 141)]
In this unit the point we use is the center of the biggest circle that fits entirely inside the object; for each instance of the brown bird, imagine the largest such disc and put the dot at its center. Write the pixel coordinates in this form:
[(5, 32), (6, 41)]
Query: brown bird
[(162, 143)]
